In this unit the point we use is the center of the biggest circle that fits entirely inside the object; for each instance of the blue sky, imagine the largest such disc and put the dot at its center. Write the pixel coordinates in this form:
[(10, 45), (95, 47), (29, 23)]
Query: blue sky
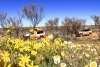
[(83, 9)]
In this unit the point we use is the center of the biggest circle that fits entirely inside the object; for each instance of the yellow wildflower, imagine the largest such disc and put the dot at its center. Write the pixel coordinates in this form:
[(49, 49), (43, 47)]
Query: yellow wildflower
[(30, 65), (18, 43), (5, 56), (21, 49), (77, 48), (46, 41), (62, 53), (24, 60), (62, 65), (26, 48), (16, 46), (57, 40), (33, 52), (22, 64), (93, 64), (36, 46), (87, 66), (28, 42), (36, 66), (63, 45), (9, 65)]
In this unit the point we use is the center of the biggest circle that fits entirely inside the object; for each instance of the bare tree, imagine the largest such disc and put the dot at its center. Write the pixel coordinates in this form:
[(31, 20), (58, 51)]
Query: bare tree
[(72, 25), (97, 23), (66, 26), (52, 24), (17, 24), (3, 20), (33, 14), (76, 25)]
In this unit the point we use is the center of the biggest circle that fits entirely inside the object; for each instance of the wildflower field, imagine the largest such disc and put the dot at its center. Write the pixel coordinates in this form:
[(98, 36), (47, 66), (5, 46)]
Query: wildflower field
[(45, 52)]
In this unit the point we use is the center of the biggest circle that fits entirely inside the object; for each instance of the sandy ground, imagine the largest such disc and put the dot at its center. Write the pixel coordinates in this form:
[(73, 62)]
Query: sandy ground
[(94, 34)]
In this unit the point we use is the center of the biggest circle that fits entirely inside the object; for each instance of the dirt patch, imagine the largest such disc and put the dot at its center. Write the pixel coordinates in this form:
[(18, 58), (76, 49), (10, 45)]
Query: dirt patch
[(94, 34)]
